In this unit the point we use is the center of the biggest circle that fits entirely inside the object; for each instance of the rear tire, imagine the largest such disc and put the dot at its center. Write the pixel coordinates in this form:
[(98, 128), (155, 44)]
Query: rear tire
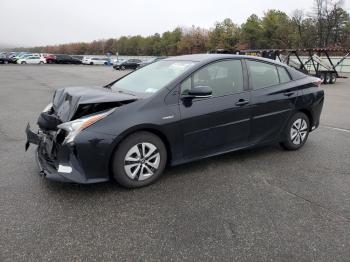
[(91, 63), (139, 160), (327, 79), (41, 62), (333, 78), (23, 62), (296, 132)]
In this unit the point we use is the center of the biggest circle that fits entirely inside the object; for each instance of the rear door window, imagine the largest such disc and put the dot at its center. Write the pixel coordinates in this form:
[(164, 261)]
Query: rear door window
[(262, 74)]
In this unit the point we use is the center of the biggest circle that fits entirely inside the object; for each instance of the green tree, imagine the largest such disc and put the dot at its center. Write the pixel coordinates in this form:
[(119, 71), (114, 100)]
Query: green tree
[(277, 30), (252, 32), (225, 35)]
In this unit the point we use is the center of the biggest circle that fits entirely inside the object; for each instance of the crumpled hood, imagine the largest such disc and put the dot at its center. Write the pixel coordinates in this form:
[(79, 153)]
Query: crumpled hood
[(67, 100)]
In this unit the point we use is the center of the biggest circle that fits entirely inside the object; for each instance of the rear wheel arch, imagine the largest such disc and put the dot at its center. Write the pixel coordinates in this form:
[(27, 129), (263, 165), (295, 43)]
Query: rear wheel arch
[(309, 116), (296, 132)]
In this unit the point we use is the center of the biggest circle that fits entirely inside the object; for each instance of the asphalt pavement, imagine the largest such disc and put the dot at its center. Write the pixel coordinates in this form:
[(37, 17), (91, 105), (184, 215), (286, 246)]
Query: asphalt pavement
[(264, 204)]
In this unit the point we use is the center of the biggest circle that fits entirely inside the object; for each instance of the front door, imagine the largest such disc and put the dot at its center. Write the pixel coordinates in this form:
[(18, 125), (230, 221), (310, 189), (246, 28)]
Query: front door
[(221, 122)]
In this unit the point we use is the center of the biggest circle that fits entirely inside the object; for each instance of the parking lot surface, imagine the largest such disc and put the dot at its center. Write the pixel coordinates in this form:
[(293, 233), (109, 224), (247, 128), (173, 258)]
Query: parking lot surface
[(264, 204)]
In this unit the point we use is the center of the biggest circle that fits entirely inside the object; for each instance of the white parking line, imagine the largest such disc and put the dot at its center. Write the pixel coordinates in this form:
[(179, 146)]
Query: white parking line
[(338, 129)]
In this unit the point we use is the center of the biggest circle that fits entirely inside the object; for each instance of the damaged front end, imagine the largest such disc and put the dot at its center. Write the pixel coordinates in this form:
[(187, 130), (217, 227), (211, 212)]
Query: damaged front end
[(47, 153), (72, 111)]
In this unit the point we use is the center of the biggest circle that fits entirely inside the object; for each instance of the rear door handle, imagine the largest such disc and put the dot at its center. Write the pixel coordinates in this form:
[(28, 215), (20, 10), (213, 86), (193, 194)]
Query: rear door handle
[(289, 93), (242, 102)]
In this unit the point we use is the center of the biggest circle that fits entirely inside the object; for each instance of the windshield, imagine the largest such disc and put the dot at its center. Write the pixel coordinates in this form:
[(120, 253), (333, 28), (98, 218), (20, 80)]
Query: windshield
[(153, 77)]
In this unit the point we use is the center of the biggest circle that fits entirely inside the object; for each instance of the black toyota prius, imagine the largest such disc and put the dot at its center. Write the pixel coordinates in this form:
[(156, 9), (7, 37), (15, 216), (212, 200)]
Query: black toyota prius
[(170, 112)]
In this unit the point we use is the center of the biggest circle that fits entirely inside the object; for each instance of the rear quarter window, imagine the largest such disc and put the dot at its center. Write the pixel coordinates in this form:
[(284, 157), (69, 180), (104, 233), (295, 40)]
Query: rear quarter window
[(295, 74), (284, 75)]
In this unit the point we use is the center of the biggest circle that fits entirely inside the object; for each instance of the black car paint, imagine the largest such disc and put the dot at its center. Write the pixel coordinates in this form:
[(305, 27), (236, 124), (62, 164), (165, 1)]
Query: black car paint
[(67, 100), (190, 129), (128, 64), (65, 59), (5, 60)]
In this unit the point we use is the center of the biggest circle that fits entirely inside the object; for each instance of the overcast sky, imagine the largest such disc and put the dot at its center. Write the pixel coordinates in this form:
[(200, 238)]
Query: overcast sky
[(42, 22)]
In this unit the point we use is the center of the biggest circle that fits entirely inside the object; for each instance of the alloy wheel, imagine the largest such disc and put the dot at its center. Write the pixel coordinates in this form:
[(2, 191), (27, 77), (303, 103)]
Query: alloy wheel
[(142, 161), (298, 131)]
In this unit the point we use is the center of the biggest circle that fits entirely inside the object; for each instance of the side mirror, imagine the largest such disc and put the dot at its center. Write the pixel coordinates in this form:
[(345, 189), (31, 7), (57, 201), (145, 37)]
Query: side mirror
[(199, 92)]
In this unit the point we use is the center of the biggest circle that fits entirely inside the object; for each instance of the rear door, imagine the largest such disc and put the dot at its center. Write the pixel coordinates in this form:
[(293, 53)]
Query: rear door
[(221, 122), (273, 100)]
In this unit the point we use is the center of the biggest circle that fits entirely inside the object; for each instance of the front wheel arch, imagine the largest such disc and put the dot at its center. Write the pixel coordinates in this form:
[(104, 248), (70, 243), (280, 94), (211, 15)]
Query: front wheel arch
[(125, 134), (126, 150)]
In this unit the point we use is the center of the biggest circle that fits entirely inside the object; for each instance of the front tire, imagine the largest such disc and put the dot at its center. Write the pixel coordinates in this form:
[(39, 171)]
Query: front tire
[(139, 160), (297, 132), (322, 76)]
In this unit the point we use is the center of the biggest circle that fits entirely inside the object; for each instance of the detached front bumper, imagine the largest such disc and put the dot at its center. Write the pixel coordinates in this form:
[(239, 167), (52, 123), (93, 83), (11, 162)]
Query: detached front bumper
[(63, 165)]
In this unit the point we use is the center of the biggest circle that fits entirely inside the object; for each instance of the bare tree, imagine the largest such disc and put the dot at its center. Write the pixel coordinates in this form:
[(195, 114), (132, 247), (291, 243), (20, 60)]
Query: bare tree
[(298, 18), (327, 16)]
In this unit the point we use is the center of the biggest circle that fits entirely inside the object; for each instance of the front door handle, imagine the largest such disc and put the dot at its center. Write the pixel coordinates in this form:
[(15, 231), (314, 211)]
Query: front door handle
[(289, 93), (242, 102)]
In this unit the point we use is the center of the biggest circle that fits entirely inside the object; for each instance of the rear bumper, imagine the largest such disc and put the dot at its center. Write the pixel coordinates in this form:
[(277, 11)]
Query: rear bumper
[(64, 165)]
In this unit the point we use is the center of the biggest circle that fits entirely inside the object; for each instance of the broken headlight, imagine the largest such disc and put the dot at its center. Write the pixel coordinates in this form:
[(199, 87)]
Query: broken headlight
[(74, 127)]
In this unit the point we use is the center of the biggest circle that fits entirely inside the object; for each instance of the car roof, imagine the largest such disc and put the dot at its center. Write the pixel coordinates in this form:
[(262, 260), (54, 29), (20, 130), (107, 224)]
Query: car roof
[(212, 57)]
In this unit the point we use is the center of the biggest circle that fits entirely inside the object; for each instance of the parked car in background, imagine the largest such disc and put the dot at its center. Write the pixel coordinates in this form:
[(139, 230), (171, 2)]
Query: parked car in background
[(62, 59), (4, 59), (50, 59), (18, 56), (79, 57), (150, 61), (11, 54), (95, 61), (174, 111), (118, 61), (33, 59), (25, 55), (128, 64)]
